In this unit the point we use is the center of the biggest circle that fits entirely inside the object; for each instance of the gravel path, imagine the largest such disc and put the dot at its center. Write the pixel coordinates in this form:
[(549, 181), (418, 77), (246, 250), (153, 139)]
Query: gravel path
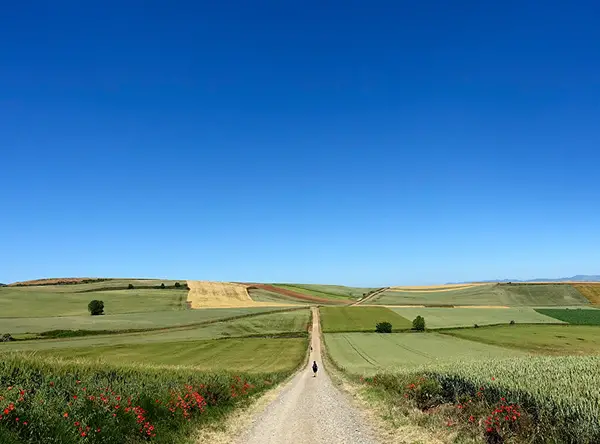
[(309, 410)]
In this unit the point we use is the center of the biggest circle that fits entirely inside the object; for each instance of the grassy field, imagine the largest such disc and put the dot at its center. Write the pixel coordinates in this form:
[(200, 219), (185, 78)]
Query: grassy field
[(48, 400), (545, 339), (63, 300), (532, 399), (466, 317), (292, 322), (336, 292), (370, 353), (590, 291), (488, 295), (573, 316), (260, 295), (249, 355), (144, 320), (347, 319)]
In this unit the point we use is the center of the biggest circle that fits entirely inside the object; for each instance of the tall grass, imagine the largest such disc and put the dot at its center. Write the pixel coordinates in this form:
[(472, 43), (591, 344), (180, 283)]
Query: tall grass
[(559, 395), (53, 401)]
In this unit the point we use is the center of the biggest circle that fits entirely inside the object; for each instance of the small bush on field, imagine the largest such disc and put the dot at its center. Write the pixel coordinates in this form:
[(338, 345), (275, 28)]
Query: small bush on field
[(383, 327), (476, 326), (512, 322), (177, 285), (67, 403), (6, 337), (418, 324), (96, 307), (162, 285), (130, 287)]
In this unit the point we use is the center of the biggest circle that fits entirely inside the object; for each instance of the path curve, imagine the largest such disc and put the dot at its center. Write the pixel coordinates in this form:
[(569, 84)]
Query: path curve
[(309, 410)]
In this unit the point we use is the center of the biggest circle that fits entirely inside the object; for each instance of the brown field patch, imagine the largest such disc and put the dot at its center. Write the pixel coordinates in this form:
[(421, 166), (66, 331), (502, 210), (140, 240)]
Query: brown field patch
[(206, 294), (591, 291), (294, 294), (56, 281)]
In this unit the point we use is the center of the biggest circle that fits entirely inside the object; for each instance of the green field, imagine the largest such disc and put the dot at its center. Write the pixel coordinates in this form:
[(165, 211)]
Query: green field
[(347, 319), (336, 292), (533, 295), (573, 316), (436, 317), (559, 397), (144, 320), (293, 322), (369, 353), (545, 339), (250, 355), (260, 295), (72, 300)]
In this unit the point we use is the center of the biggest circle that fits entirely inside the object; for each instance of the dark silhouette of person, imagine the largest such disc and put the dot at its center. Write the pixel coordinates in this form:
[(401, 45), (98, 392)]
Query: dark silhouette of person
[(315, 368)]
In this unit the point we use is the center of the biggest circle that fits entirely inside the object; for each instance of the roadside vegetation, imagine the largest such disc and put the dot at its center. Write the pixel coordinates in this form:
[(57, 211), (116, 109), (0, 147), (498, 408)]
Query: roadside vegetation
[(53, 401), (521, 400)]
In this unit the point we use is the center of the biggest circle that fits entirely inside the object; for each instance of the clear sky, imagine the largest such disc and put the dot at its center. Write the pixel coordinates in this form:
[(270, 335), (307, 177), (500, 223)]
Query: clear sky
[(360, 143)]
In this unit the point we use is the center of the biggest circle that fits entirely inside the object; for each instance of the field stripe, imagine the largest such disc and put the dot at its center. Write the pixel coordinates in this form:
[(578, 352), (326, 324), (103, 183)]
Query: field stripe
[(374, 363)]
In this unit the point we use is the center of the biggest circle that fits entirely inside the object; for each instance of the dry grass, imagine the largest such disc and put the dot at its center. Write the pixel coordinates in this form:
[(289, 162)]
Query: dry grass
[(206, 294), (591, 291), (435, 288)]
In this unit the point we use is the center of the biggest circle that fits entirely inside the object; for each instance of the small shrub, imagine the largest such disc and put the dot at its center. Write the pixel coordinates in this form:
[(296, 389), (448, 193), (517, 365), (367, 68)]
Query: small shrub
[(130, 286), (476, 326), (162, 285), (6, 337), (512, 322), (418, 323), (96, 307), (177, 285), (383, 327)]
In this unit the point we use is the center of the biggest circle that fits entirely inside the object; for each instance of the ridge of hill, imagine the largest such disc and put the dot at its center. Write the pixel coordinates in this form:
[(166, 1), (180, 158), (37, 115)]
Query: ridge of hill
[(576, 278)]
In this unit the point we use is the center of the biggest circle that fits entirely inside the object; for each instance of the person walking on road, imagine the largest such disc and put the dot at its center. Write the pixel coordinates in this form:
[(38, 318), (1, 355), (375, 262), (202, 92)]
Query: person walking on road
[(315, 369)]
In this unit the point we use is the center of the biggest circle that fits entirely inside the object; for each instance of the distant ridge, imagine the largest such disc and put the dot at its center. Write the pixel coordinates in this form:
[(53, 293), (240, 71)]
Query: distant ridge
[(576, 278)]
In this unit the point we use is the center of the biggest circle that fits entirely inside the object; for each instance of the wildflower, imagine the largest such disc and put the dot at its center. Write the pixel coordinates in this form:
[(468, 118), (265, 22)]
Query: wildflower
[(24, 422), (65, 415), (83, 434), (493, 379), (471, 418)]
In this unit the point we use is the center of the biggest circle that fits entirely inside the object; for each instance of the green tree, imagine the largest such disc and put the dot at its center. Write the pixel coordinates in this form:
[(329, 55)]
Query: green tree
[(130, 286), (383, 327), (177, 285), (419, 323), (162, 285), (96, 307)]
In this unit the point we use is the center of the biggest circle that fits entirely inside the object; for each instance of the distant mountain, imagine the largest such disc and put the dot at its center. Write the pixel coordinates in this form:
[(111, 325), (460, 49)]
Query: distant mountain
[(577, 278)]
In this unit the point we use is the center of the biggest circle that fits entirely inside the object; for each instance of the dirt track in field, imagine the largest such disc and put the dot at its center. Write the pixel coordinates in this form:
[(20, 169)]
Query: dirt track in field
[(206, 294), (309, 410)]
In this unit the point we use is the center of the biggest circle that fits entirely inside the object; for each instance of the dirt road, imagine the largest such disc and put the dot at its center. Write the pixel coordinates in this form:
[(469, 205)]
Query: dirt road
[(309, 410)]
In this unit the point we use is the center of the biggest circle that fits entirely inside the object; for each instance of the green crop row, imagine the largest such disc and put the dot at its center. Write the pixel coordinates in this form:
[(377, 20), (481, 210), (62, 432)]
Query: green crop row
[(560, 395), (53, 401)]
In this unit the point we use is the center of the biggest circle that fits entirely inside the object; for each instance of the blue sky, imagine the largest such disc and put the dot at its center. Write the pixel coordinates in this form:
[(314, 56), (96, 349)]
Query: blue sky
[(360, 143)]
